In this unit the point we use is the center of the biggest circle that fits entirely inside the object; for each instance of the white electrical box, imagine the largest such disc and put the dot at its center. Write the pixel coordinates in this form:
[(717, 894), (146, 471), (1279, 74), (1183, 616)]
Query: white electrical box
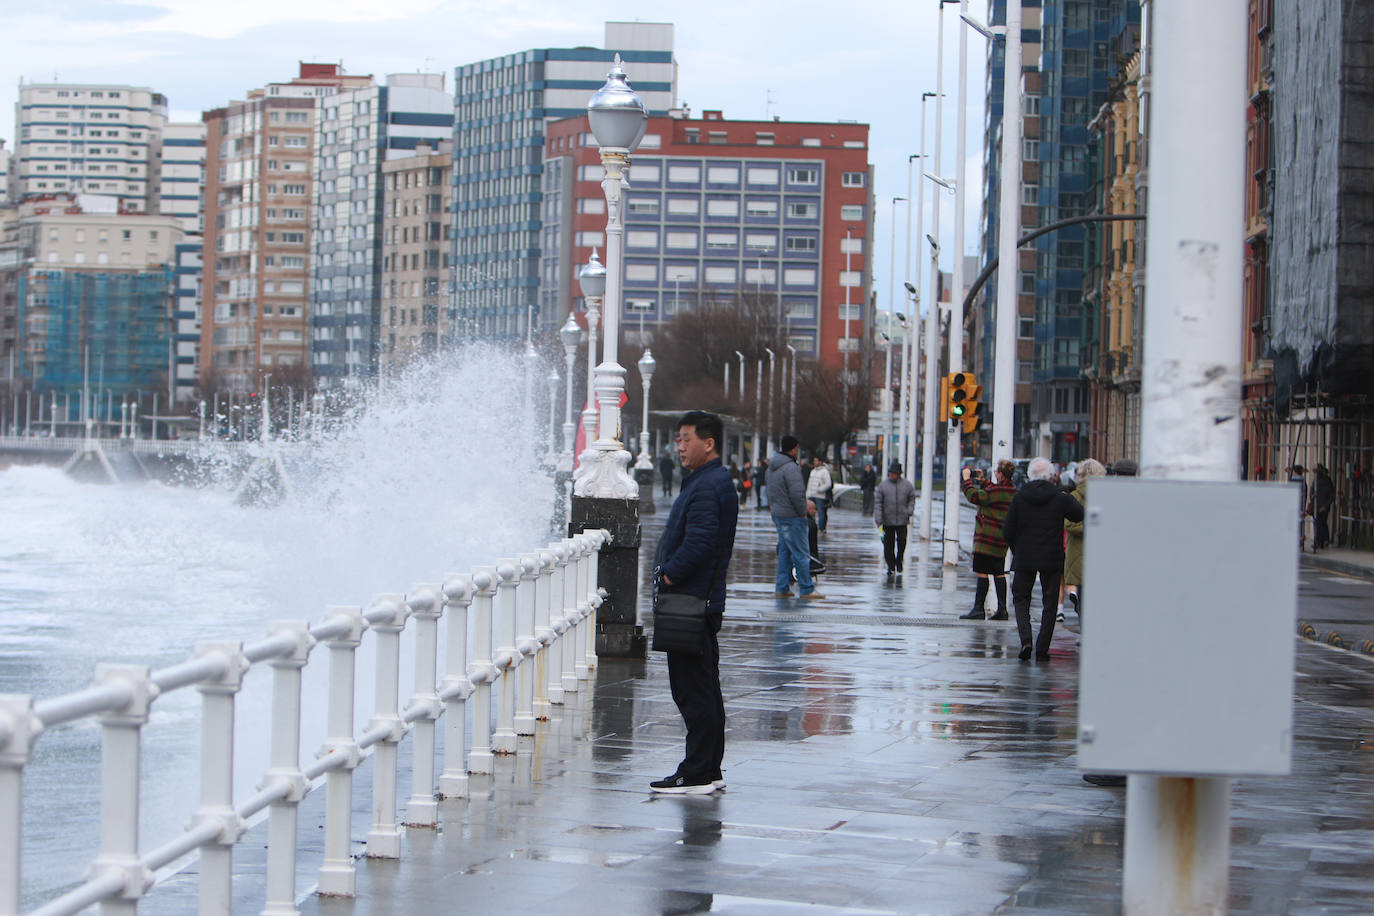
[(1190, 592)]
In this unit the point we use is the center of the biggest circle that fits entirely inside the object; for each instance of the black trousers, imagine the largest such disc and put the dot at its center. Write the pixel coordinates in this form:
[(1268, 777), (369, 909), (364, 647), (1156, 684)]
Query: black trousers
[(1022, 582), (894, 545), (695, 682)]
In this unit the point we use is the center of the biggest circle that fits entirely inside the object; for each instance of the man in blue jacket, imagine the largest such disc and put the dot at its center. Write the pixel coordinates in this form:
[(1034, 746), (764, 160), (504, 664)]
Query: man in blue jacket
[(693, 556)]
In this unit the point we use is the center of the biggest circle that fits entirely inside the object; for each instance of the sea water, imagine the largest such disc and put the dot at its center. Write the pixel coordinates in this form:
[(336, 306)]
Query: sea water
[(436, 472)]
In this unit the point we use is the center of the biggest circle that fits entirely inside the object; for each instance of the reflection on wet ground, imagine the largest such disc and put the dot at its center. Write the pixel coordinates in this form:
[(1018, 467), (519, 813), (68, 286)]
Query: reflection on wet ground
[(882, 756)]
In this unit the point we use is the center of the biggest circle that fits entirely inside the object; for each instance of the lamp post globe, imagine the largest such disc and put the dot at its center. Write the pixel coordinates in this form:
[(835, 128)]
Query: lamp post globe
[(591, 280), (616, 113), (646, 367)]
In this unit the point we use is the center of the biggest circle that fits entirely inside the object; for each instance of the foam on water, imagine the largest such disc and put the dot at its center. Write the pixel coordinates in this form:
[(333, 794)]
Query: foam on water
[(438, 472)]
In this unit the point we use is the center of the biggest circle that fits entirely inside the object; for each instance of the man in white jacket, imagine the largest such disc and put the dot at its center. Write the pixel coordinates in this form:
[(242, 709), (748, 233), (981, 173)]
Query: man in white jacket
[(818, 489)]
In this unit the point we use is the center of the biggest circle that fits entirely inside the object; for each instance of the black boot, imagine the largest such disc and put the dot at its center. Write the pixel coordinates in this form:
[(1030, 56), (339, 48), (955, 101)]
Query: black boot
[(1000, 584), (979, 600)]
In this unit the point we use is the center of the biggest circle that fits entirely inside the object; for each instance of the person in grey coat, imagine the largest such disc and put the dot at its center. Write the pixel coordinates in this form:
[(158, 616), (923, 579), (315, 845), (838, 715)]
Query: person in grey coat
[(788, 505), (893, 504)]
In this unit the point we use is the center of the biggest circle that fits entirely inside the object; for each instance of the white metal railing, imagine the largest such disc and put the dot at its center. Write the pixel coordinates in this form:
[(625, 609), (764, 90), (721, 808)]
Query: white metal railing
[(542, 604), (113, 444)]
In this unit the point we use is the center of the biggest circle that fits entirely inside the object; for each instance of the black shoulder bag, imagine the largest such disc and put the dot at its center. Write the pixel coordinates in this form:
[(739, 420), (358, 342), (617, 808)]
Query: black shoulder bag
[(679, 620)]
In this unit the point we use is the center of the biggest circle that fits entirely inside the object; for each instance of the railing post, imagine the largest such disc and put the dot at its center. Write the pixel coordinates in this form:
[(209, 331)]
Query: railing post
[(558, 618), (507, 657), (19, 729), (525, 642), (388, 615), (456, 688), (426, 605), (337, 872), (120, 771), (285, 766), (482, 672), (217, 776), (574, 661), (543, 630), (599, 538)]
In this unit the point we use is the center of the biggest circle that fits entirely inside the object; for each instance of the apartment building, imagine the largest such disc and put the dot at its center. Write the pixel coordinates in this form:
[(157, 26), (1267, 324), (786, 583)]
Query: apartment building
[(502, 109), (181, 174), (418, 191), (258, 184), (91, 138), (82, 277), (718, 209), (357, 133)]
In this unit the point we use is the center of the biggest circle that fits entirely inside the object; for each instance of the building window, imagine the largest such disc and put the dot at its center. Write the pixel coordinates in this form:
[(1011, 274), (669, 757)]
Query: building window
[(1030, 150), (640, 205), (799, 276), (761, 241), (597, 205), (591, 239), (718, 240), (718, 136), (761, 276), (762, 175), (853, 179), (764, 138), (684, 174), (803, 175), (803, 211), (720, 275), (683, 206), (722, 174), (680, 273), (852, 212), (801, 243), (851, 278), (723, 208), (762, 209), (645, 173), (591, 173), (851, 245), (641, 273), (681, 240), (641, 238)]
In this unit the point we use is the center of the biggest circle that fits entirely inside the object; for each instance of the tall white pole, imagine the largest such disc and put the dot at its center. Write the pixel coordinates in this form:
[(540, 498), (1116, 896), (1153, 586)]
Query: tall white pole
[(904, 374), (955, 443), (1178, 828), (1009, 260), (914, 328), (889, 452), (933, 331)]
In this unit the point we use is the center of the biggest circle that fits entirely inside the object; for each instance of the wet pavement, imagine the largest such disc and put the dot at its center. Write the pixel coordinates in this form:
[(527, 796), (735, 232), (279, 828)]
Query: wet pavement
[(882, 756)]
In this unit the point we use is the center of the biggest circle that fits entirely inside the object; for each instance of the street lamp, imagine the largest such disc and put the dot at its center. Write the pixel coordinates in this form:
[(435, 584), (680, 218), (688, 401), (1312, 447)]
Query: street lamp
[(591, 279), (617, 117), (768, 425), (571, 335), (792, 392), (646, 374)]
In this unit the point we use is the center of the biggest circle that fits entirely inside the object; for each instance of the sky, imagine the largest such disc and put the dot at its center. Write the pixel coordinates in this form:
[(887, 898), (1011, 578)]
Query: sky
[(863, 61)]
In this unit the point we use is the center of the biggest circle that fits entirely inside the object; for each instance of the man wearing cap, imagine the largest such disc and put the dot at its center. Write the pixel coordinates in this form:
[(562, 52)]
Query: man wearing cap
[(893, 504), (789, 507)]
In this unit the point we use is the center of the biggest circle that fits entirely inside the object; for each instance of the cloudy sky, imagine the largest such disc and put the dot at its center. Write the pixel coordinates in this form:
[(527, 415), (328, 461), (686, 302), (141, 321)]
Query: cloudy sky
[(816, 61)]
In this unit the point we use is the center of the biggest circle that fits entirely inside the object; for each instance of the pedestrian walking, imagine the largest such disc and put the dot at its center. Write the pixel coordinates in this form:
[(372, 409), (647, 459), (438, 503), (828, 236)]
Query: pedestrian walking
[(693, 558), (746, 482), (993, 498), (1323, 497), (1034, 530), (868, 482), (1073, 544), (788, 506), (761, 485), (894, 502), (818, 487), (665, 471)]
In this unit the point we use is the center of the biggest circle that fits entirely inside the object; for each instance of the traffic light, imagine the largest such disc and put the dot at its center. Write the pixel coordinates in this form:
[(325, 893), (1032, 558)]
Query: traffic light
[(961, 399), (944, 399)]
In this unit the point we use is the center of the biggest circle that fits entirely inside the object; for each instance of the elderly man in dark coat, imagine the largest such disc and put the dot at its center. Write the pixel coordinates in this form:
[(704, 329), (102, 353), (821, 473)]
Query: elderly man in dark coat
[(1034, 530)]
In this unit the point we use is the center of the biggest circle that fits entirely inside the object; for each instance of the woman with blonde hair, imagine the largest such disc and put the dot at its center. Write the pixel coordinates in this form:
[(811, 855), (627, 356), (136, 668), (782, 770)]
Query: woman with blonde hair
[(1073, 547)]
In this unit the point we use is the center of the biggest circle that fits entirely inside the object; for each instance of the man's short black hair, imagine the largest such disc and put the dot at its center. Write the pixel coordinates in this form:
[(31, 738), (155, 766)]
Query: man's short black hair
[(705, 425)]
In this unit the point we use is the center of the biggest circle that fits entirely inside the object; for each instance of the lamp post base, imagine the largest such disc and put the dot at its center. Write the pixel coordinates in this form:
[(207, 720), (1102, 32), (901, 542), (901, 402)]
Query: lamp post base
[(645, 478), (618, 633)]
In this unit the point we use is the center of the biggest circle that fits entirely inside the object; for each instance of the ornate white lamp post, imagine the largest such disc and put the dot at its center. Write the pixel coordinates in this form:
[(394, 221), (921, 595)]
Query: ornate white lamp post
[(618, 118), (646, 374), (571, 335), (592, 280)]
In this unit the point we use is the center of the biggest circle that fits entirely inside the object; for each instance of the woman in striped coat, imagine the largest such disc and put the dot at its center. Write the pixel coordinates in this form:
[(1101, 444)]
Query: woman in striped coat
[(989, 549)]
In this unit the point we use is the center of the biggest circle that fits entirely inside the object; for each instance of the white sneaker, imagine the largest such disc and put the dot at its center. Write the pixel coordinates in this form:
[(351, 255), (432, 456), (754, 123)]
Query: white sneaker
[(1059, 618)]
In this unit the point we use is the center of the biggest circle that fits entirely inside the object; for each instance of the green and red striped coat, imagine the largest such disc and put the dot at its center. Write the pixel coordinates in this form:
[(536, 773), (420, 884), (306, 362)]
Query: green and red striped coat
[(992, 500)]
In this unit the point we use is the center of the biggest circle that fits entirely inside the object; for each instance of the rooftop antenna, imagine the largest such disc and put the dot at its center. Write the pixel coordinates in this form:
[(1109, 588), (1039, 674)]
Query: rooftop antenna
[(768, 104)]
